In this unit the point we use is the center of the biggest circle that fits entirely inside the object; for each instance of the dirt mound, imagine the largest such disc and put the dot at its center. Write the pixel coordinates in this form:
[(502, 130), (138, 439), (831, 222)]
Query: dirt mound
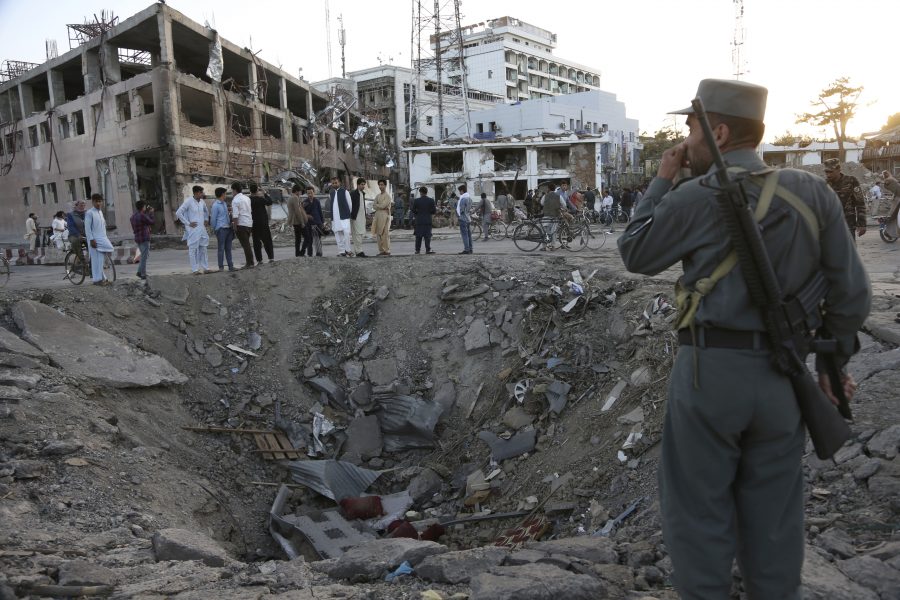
[(498, 393)]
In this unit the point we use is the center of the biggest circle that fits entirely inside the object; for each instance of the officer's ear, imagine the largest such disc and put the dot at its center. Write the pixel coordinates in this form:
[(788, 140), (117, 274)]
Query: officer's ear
[(722, 134)]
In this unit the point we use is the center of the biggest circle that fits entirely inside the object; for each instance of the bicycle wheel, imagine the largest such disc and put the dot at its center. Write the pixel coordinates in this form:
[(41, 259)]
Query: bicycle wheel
[(4, 270), (596, 238), (109, 268), (528, 237), (511, 228), (76, 268), (498, 231), (579, 240), (606, 218), (622, 216), (475, 229)]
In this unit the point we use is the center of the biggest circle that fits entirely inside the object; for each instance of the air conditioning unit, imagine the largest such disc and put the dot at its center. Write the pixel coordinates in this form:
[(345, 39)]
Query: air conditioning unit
[(562, 125)]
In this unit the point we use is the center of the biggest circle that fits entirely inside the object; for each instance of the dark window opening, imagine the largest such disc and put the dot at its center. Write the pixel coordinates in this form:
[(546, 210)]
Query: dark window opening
[(123, 107), (26, 192), (20, 141), (553, 158), (33, 136), (45, 131), (42, 194), (240, 119), (196, 106), (85, 187), (295, 133), (78, 118), (511, 159), (40, 94), (64, 127), (143, 100), (479, 128), (446, 162), (267, 83), (235, 72), (191, 51), (70, 190), (73, 80), (97, 116), (133, 62), (271, 126), (51, 192), (296, 100)]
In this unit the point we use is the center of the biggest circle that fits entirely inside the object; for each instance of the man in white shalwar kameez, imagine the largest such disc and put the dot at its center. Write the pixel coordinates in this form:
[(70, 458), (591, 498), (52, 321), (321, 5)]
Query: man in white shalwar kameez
[(98, 242), (340, 217), (194, 215)]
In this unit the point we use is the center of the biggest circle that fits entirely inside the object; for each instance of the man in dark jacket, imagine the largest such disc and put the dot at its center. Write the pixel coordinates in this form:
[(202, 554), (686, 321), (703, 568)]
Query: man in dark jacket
[(423, 208), (262, 235), (312, 234)]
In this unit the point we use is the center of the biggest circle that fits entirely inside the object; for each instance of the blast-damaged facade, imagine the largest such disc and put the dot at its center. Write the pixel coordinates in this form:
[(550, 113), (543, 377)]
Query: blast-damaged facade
[(156, 104)]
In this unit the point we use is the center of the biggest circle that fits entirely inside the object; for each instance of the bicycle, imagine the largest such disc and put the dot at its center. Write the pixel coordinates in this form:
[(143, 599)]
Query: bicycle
[(497, 229), (78, 266), (531, 235)]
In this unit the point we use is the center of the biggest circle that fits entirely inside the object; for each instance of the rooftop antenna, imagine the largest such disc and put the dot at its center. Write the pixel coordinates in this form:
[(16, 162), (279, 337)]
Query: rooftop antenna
[(342, 40), (737, 45), (328, 35)]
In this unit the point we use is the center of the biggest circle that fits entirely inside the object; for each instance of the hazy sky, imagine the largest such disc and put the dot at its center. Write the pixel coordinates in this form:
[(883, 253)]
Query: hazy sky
[(650, 53)]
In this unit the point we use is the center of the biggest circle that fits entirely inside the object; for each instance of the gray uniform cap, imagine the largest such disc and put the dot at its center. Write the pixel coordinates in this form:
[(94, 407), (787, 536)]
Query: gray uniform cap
[(732, 98)]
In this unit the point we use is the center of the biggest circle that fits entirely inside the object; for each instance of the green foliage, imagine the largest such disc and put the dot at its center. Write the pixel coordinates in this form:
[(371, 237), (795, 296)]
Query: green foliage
[(837, 105), (659, 142), (892, 121)]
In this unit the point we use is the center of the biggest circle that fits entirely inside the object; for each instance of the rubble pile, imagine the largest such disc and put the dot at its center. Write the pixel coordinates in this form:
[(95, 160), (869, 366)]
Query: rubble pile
[(332, 431)]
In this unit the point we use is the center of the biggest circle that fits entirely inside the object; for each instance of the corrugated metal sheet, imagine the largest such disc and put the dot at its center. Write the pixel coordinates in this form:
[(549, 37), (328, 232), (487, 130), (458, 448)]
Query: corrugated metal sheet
[(333, 479), (407, 422)]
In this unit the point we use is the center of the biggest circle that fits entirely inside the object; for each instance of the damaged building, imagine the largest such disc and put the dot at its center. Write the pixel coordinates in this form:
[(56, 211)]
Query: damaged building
[(150, 106), (583, 138)]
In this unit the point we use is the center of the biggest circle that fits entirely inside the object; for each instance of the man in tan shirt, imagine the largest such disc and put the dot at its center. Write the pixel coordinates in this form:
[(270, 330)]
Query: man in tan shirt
[(381, 225), (296, 217)]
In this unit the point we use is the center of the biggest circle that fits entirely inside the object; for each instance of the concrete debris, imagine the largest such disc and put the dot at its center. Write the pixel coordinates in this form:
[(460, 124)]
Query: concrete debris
[(407, 422), (461, 566), (517, 418), (13, 344), (66, 341), (333, 479), (632, 418), (331, 389), (364, 439), (84, 573), (381, 372), (180, 544), (534, 582), (329, 534), (614, 395), (373, 560), (557, 395), (477, 338), (517, 445)]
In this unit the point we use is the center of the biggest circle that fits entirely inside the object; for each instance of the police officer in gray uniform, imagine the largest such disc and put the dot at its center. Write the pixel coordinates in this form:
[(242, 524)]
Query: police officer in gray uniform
[(731, 483)]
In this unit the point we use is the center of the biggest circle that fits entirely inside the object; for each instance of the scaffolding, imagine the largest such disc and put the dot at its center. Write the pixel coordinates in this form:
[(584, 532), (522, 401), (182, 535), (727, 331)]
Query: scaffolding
[(10, 69), (438, 56), (81, 33)]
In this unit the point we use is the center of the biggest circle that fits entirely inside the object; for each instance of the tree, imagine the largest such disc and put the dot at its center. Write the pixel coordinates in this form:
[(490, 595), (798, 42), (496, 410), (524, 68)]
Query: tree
[(789, 139), (892, 121), (837, 104), (655, 145)]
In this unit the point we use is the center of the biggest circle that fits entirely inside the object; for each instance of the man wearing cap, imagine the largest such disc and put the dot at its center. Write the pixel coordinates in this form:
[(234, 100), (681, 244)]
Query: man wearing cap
[(850, 194), (730, 475)]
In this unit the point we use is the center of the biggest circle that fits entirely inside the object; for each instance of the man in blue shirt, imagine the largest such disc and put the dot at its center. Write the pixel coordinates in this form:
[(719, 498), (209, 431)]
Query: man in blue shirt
[(463, 207), (221, 224)]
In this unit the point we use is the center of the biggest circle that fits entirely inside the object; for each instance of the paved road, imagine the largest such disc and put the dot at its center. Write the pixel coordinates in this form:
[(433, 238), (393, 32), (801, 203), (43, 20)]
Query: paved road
[(881, 259)]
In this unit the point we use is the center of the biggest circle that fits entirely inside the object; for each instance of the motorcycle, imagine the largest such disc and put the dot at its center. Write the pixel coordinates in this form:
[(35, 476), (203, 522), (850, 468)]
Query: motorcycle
[(883, 222)]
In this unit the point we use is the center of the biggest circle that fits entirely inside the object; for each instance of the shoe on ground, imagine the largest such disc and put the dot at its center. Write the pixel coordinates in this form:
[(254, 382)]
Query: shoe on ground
[(430, 252), (271, 260), (232, 269), (417, 252), (247, 266), (197, 273), (363, 254)]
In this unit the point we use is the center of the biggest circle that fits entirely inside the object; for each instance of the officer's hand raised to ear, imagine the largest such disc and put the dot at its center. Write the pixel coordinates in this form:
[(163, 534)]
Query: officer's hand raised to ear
[(672, 162)]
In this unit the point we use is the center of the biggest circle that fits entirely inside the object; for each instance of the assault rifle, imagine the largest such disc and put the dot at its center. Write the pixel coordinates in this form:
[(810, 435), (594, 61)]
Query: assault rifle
[(786, 333)]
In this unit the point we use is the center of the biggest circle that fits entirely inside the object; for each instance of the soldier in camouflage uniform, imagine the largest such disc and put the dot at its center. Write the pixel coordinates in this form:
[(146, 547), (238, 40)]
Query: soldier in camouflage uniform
[(850, 194), (730, 473)]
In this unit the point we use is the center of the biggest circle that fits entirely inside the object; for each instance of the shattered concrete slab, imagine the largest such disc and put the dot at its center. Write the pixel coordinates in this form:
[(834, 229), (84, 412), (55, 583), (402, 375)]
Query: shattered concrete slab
[(10, 342), (536, 581), (382, 371), (331, 389), (364, 439), (461, 566), (517, 445), (407, 422), (371, 560), (181, 544), (333, 479), (557, 395), (87, 351)]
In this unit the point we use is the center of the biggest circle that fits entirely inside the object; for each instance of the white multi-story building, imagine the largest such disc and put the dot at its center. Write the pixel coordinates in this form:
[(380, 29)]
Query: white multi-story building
[(384, 92), (515, 60)]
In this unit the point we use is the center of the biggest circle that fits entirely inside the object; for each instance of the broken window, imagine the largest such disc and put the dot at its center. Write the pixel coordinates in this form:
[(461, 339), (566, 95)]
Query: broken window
[(78, 119), (553, 158), (196, 106), (479, 127), (509, 159), (240, 119), (295, 133), (143, 98), (26, 192), (63, 127), (446, 162), (296, 100), (191, 51), (85, 187), (33, 136), (42, 194), (123, 107), (271, 126), (51, 192), (20, 141), (97, 116), (70, 190), (45, 131), (429, 120)]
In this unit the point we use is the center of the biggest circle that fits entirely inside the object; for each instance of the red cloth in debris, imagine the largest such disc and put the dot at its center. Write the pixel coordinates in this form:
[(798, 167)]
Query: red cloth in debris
[(365, 507), (405, 529)]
